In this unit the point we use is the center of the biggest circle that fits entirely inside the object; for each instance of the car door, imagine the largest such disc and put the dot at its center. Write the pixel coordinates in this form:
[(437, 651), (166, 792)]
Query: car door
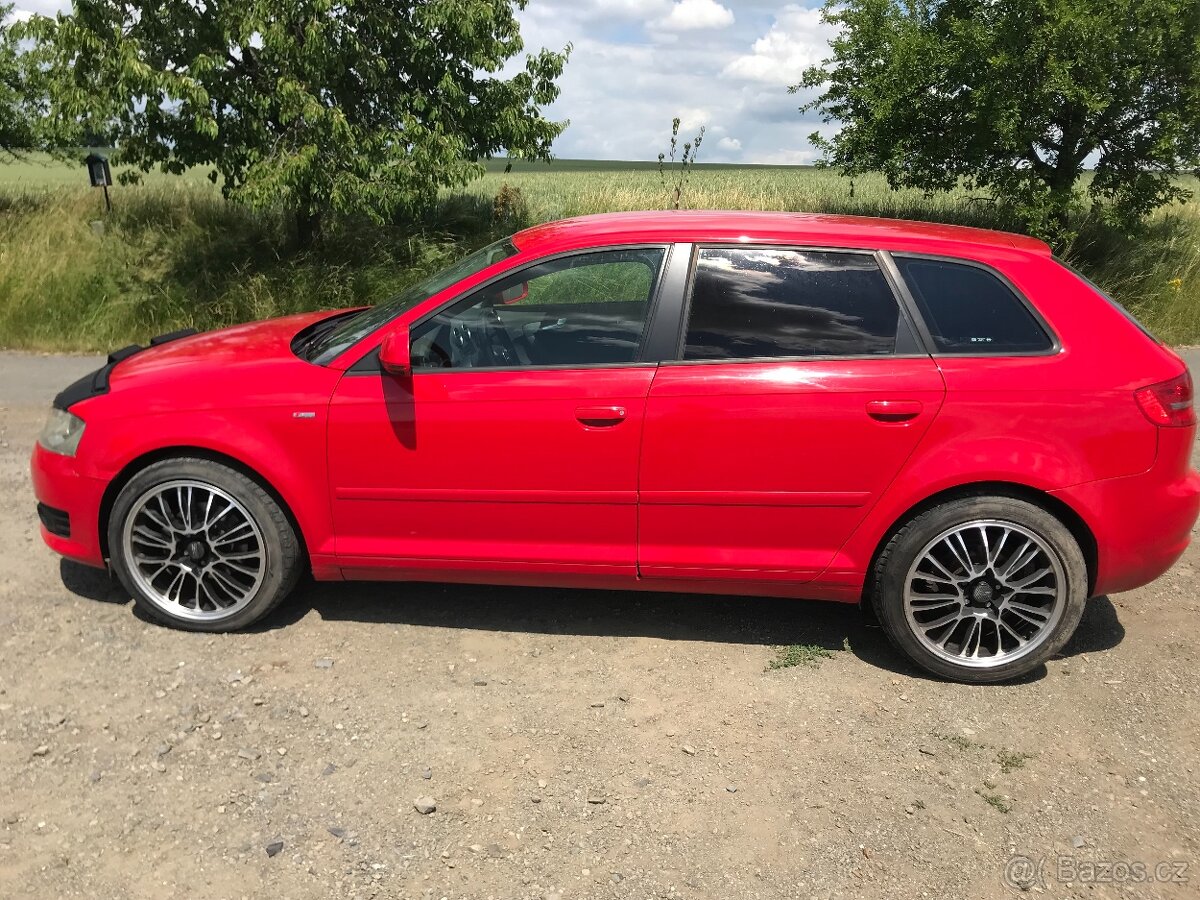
[(513, 446), (798, 394)]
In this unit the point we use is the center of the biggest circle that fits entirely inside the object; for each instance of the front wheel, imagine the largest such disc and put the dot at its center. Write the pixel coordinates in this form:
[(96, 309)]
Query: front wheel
[(981, 589), (201, 546)]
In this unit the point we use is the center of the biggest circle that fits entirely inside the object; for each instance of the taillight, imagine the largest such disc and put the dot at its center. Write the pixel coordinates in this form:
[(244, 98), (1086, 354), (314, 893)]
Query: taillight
[(1168, 402)]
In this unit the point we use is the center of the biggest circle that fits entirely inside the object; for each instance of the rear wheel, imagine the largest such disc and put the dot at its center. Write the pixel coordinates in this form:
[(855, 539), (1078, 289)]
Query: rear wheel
[(981, 589), (200, 546)]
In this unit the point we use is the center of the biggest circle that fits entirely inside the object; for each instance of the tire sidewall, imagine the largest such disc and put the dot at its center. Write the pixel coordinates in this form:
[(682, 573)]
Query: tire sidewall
[(257, 503), (911, 540)]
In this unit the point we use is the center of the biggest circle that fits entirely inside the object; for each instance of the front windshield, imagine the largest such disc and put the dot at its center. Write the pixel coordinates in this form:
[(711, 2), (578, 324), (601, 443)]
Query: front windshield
[(353, 329)]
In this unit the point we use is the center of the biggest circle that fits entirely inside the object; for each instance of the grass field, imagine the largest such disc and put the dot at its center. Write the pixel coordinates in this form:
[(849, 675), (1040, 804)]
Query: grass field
[(174, 254)]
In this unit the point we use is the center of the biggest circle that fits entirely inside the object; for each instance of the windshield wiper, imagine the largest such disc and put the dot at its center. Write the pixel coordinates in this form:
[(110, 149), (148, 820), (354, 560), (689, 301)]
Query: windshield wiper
[(317, 333)]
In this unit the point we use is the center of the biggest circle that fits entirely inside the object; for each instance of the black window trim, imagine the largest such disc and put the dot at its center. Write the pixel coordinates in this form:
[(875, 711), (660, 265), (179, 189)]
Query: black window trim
[(905, 313), (368, 364), (889, 258)]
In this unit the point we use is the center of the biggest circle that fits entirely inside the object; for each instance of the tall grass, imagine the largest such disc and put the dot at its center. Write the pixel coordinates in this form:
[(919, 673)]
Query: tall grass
[(174, 254)]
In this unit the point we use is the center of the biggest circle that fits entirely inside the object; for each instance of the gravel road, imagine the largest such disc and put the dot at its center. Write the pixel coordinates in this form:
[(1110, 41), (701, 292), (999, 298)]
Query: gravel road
[(571, 744)]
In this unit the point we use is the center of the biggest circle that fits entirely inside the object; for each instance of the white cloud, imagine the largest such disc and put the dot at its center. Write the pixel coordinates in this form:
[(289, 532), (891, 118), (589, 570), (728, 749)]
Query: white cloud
[(797, 39), (732, 145), (26, 9), (688, 15), (692, 119)]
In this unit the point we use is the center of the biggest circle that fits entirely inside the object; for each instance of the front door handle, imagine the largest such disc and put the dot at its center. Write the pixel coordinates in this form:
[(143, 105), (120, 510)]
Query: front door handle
[(600, 416), (894, 410)]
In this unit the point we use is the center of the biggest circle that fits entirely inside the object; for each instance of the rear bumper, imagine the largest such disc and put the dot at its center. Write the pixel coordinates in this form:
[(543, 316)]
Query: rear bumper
[(1142, 523), (59, 485)]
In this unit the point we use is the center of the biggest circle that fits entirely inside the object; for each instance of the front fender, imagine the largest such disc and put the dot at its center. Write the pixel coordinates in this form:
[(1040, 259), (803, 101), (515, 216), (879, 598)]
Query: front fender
[(284, 449)]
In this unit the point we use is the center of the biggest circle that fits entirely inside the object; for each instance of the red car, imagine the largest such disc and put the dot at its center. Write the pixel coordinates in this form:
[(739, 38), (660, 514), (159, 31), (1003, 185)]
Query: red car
[(941, 422)]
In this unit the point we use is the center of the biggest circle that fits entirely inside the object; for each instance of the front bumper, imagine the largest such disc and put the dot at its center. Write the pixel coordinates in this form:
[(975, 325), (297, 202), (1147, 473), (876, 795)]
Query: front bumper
[(58, 484)]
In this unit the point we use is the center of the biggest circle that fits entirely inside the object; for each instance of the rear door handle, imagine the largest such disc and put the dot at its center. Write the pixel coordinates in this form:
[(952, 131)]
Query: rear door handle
[(600, 416), (894, 410)]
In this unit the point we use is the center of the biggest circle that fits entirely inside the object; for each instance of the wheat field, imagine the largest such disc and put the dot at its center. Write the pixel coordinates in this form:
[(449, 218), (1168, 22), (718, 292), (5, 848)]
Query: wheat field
[(174, 254)]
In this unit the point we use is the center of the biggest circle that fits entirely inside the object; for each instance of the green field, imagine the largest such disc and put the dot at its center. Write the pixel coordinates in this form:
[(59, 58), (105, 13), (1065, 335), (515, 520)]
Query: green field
[(174, 254)]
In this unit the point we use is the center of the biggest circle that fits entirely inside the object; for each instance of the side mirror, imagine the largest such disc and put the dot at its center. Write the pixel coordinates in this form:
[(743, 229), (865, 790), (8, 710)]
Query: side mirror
[(395, 352), (515, 294)]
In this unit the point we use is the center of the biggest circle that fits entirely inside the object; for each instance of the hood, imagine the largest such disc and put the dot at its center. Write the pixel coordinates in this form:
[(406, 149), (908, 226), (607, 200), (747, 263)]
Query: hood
[(215, 364)]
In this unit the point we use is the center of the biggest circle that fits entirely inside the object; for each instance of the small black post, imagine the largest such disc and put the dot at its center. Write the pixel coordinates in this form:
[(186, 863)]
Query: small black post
[(100, 175)]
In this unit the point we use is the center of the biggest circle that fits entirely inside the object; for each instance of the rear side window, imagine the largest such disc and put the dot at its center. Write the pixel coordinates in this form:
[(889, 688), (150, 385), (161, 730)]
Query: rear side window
[(970, 310), (750, 303)]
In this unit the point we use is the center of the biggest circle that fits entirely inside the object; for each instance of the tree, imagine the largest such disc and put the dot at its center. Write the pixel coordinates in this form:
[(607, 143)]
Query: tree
[(1016, 97), (322, 106), (16, 124)]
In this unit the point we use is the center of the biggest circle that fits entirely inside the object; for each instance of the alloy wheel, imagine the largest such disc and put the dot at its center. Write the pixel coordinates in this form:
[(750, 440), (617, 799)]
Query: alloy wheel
[(193, 550), (985, 593)]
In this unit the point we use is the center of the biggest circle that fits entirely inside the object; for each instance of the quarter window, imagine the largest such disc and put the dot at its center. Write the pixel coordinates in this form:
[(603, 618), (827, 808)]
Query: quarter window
[(752, 303), (579, 310), (969, 310)]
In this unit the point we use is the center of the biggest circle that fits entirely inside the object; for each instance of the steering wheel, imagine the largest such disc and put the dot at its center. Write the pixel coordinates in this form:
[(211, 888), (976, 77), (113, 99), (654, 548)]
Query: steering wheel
[(464, 345), (500, 343)]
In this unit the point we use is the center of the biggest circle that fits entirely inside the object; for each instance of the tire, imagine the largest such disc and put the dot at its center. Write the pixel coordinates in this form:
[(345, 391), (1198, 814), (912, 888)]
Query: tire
[(967, 623), (201, 546)]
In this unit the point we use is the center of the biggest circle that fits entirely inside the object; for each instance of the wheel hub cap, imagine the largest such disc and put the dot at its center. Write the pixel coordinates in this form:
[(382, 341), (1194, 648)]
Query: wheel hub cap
[(983, 593)]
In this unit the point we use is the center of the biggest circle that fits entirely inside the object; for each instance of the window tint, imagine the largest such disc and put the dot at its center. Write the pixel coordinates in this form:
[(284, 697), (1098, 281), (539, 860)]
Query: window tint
[(579, 310), (970, 310), (749, 303)]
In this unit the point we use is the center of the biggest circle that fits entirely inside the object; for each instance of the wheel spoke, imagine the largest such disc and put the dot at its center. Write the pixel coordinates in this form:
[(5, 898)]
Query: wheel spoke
[(936, 598), (1021, 641), (930, 558), (1041, 591), (938, 623), (964, 558), (144, 535), (1041, 614), (1020, 560), (249, 554), (974, 636), (237, 533), (1025, 582)]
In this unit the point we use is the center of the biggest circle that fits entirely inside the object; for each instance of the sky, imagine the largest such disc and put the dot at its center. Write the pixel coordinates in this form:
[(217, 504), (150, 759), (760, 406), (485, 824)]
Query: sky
[(636, 64)]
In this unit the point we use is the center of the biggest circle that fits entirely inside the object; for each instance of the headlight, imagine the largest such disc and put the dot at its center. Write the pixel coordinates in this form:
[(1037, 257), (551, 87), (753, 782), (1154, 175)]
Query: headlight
[(62, 432)]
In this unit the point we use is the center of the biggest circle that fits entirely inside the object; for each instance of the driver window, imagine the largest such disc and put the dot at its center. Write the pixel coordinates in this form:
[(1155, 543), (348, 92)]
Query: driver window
[(580, 310)]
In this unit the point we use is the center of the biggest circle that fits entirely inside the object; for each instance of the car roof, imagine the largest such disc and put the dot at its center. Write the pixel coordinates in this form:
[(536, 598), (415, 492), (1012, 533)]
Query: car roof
[(720, 226)]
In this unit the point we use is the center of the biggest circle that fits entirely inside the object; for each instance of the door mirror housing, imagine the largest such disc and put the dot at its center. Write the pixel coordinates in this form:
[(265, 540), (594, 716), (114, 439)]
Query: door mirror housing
[(515, 294), (395, 354)]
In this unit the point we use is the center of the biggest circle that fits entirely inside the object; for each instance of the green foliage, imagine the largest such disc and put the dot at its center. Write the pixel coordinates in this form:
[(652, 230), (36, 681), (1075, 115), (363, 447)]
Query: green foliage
[(173, 256), (1014, 97), (195, 259), (1011, 760), (16, 120), (995, 801), (679, 180), (362, 108), (808, 655)]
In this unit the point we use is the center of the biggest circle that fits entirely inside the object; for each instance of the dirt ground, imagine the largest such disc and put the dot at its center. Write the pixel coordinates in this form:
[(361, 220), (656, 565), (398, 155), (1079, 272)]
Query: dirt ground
[(576, 744)]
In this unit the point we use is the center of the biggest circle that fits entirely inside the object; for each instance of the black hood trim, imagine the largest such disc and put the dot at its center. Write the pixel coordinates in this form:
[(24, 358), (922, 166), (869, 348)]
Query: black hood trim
[(95, 383)]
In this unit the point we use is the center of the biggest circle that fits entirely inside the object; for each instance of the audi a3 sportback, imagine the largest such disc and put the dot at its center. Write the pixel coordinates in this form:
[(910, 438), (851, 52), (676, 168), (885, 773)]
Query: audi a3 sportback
[(942, 422)]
